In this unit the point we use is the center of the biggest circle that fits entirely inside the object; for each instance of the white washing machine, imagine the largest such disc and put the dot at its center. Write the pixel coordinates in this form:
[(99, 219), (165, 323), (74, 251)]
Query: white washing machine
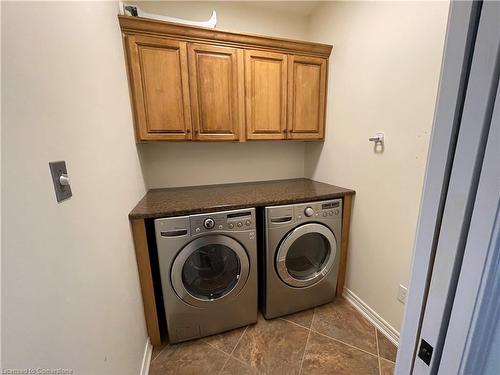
[(301, 256), (208, 270)]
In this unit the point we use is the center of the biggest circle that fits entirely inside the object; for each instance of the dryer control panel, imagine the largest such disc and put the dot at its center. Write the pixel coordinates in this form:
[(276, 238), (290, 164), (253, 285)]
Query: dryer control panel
[(319, 209), (302, 212)]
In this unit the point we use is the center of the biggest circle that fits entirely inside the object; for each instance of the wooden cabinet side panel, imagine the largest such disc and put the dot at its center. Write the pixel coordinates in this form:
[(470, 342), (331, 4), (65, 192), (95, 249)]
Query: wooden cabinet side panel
[(266, 90), (134, 70), (213, 77), (146, 280), (344, 243), (158, 70), (306, 97)]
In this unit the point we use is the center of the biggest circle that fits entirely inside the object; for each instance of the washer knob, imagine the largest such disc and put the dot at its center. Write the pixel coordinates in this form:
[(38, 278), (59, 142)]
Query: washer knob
[(209, 223), (309, 212)]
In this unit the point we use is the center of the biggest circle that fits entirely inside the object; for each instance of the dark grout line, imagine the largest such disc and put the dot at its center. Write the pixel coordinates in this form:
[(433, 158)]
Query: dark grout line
[(342, 342), (304, 354), (387, 360), (232, 351), (378, 352), (158, 354), (297, 324)]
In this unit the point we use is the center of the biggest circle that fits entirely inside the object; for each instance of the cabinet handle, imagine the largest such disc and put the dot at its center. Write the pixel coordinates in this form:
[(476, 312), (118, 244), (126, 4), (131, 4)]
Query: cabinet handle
[(284, 131), (188, 131)]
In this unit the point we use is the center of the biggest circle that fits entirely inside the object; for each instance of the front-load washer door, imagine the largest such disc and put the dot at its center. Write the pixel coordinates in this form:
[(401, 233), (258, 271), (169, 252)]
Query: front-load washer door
[(306, 255), (210, 269)]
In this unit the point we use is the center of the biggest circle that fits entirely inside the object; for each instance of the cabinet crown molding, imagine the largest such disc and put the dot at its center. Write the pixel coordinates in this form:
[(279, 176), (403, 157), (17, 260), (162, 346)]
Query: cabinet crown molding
[(140, 25)]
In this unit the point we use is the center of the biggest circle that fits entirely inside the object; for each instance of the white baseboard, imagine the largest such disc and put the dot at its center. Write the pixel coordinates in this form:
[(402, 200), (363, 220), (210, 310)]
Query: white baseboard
[(146, 359), (389, 331)]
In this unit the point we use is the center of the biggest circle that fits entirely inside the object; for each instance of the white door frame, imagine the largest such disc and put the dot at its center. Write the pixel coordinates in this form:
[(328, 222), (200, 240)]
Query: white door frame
[(471, 320), (467, 161), (451, 191), (462, 23)]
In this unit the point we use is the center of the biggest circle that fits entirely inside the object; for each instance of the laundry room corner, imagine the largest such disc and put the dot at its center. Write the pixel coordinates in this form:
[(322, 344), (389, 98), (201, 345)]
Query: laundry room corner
[(384, 75)]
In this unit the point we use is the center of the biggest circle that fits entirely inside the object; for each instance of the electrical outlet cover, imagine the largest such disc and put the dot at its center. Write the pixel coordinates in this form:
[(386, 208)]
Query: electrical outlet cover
[(402, 294)]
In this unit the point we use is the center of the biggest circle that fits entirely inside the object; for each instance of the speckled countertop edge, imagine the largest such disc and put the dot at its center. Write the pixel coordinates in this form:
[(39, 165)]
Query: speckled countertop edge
[(188, 200)]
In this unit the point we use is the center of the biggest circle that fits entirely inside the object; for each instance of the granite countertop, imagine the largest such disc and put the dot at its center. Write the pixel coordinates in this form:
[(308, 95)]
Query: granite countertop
[(198, 199)]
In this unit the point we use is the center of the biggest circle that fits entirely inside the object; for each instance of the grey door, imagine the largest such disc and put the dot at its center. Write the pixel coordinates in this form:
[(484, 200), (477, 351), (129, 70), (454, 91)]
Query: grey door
[(306, 255), (210, 269)]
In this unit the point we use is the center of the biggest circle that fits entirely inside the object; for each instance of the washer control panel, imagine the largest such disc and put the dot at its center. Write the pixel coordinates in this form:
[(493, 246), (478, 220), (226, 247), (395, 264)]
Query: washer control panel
[(238, 220)]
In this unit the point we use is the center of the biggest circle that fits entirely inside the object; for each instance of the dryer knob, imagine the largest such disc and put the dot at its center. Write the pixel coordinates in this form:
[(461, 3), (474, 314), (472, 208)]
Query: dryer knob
[(209, 223), (309, 212)]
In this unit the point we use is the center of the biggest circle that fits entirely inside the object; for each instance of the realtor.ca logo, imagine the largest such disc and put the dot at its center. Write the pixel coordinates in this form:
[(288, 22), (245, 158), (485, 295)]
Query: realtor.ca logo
[(37, 371)]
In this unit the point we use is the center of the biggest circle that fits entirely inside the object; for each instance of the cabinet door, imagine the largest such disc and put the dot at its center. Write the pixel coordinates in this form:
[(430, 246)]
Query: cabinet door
[(215, 92), (306, 97), (265, 91), (160, 90)]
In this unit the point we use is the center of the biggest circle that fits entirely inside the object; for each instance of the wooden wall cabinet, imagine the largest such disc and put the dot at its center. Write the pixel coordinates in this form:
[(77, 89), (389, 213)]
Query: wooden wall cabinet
[(215, 92), (266, 91), (191, 83), (160, 90), (306, 97)]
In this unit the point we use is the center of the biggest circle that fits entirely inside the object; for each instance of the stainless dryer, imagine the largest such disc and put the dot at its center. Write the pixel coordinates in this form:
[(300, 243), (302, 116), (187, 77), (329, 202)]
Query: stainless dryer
[(301, 256), (208, 269)]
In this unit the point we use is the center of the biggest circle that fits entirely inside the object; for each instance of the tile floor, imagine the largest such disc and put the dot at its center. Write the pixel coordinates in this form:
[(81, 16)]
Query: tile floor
[(330, 339)]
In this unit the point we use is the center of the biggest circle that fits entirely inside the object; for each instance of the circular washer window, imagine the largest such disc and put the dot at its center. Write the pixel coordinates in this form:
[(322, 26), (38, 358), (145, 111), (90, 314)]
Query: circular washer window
[(211, 271)]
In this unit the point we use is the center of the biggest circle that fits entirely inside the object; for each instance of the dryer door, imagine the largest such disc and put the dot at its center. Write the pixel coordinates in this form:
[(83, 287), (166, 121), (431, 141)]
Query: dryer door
[(210, 269), (306, 255)]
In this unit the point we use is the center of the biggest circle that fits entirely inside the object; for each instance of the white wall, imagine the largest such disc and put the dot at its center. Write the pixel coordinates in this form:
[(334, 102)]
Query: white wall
[(186, 164), (70, 291), (183, 164), (384, 72), (236, 16), (0, 206)]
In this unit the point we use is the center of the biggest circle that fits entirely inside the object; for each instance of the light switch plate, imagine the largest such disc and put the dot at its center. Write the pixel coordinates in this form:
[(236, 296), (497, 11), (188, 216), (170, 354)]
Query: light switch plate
[(57, 168)]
